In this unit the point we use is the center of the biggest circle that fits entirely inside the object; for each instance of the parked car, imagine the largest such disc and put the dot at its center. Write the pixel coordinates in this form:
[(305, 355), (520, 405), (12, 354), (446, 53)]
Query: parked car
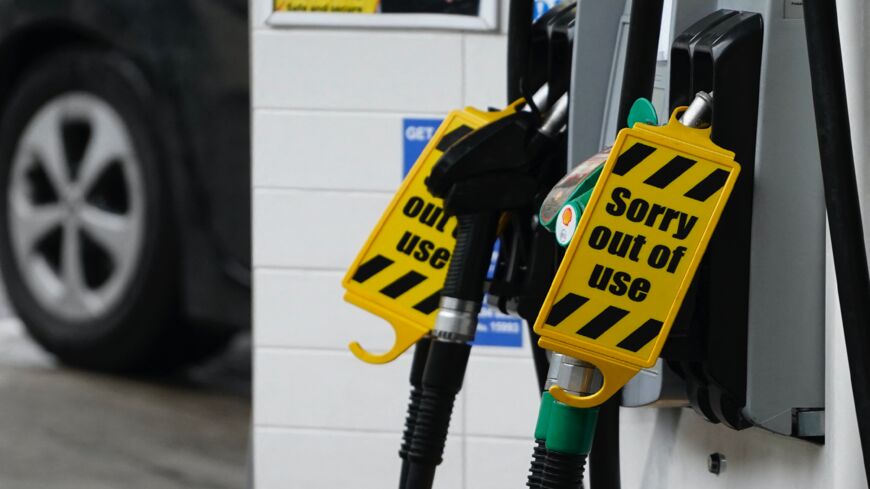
[(125, 177)]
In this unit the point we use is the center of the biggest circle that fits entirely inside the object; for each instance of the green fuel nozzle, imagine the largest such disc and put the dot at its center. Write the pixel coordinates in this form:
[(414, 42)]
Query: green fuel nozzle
[(563, 434)]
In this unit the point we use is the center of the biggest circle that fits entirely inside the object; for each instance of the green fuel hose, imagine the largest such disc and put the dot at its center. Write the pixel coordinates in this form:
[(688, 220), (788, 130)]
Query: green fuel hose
[(569, 440), (539, 455), (563, 439)]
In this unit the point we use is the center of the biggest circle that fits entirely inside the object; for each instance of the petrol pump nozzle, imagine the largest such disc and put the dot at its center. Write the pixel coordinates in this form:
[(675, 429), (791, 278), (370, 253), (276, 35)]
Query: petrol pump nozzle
[(497, 167), (539, 455), (697, 116), (563, 433), (487, 172), (457, 323)]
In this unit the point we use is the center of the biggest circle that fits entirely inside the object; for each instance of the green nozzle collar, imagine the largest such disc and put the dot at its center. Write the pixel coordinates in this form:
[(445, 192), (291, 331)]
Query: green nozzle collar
[(571, 429), (544, 416)]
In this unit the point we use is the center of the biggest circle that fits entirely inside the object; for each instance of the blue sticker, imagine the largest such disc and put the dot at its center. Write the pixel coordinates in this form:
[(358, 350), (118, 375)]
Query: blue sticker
[(541, 7), (416, 134), (493, 328)]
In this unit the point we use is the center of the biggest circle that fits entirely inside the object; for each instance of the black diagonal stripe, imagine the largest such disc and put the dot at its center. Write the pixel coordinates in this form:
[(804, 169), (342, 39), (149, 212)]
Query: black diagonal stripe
[(708, 186), (670, 172), (564, 308), (429, 304), (631, 157), (602, 322), (451, 137), (403, 284), (641, 336), (371, 268)]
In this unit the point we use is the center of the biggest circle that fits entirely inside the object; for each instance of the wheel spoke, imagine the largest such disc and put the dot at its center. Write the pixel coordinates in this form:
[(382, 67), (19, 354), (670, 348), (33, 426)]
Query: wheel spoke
[(109, 230), (34, 222), (45, 141), (72, 272), (106, 144)]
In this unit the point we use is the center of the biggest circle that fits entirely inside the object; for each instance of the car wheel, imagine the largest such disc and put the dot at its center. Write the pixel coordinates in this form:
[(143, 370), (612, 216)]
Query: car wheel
[(88, 249)]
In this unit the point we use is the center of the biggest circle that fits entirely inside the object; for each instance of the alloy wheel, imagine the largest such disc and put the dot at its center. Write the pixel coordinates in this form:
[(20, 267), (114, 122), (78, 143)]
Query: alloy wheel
[(76, 209)]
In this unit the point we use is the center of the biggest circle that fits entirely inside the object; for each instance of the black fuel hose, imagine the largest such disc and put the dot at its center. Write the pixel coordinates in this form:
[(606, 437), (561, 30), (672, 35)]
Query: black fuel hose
[(466, 275), (418, 364), (442, 380), (638, 81), (519, 39), (448, 357), (641, 54), (604, 457), (563, 471), (841, 199), (538, 464)]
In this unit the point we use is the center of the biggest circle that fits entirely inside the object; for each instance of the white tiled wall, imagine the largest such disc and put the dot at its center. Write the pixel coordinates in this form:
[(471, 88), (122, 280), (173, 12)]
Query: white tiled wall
[(328, 110)]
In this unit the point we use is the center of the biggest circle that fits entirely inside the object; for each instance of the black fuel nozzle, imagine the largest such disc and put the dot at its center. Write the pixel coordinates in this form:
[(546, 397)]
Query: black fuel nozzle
[(491, 170), (498, 167), (503, 166), (487, 170), (418, 364)]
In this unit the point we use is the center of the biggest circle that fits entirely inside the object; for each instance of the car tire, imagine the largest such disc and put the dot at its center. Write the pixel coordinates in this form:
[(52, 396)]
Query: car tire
[(88, 247)]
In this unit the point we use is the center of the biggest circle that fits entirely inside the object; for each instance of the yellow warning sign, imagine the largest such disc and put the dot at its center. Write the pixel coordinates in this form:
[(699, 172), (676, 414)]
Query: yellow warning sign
[(346, 6), (399, 273), (627, 269)]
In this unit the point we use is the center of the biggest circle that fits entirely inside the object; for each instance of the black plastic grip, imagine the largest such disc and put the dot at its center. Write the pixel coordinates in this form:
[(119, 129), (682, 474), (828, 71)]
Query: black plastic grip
[(563, 471), (519, 34), (418, 365), (475, 236), (536, 468), (442, 380), (639, 70)]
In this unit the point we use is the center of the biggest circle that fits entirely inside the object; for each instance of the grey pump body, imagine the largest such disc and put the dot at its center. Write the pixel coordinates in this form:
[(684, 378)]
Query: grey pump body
[(786, 335)]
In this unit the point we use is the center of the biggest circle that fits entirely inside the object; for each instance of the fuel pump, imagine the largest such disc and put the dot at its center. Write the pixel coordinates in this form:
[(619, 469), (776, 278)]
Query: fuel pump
[(724, 357), (598, 287), (756, 301), (706, 361), (653, 251)]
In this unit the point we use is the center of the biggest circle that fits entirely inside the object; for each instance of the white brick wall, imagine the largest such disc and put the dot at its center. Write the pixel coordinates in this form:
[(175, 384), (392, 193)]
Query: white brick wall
[(328, 110)]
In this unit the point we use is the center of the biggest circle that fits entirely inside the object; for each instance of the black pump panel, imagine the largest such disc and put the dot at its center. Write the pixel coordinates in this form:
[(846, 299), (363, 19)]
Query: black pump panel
[(708, 345), (552, 38)]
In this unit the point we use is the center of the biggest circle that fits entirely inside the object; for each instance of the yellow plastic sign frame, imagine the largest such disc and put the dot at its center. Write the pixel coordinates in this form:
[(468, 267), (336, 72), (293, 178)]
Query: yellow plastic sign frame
[(671, 168), (372, 281)]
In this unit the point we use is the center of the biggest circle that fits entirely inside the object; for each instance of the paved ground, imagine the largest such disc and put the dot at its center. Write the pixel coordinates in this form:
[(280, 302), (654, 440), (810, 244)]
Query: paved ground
[(66, 429)]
